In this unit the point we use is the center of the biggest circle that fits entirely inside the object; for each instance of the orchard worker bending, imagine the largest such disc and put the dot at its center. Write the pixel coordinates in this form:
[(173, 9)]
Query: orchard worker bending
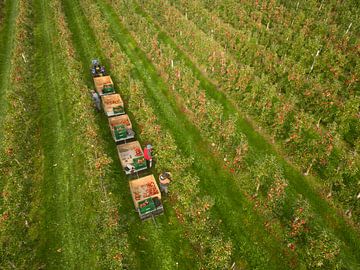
[(96, 99), (164, 179), (148, 155)]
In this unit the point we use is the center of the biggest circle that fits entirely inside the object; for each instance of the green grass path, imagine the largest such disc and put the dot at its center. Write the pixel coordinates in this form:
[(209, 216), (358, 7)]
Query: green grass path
[(7, 36), (167, 238), (54, 214)]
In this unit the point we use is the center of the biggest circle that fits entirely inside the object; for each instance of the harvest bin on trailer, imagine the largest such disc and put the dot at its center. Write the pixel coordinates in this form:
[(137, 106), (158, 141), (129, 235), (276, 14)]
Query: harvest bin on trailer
[(113, 105), (104, 85), (146, 196), (121, 128), (131, 157)]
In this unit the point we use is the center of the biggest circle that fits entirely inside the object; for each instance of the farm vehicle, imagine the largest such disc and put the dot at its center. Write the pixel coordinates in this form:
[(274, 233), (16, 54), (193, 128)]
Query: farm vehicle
[(144, 190)]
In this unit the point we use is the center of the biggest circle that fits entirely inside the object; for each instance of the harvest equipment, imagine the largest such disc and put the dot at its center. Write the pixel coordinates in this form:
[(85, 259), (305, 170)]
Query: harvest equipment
[(131, 157), (104, 85), (145, 191), (113, 105), (121, 128), (146, 196)]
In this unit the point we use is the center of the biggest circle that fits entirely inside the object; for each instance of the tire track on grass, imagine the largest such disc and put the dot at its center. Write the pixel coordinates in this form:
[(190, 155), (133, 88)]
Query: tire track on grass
[(17, 166), (7, 41), (53, 129), (59, 245)]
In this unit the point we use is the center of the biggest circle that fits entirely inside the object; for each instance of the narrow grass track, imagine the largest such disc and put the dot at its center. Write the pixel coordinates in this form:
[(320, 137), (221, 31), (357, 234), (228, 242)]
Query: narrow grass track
[(239, 222), (7, 35), (56, 241), (301, 185), (329, 217), (6, 51), (168, 237), (17, 166)]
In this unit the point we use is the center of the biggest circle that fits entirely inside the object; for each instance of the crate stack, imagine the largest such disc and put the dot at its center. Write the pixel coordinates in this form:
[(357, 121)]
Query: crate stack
[(144, 190)]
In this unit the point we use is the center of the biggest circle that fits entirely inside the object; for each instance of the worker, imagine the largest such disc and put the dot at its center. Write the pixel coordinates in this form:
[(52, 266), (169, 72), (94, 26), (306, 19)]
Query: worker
[(130, 168), (164, 179), (102, 70), (96, 100), (130, 132), (93, 71), (148, 155)]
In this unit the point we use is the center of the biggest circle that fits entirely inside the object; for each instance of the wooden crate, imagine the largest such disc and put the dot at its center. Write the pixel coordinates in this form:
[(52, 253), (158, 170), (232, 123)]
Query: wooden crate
[(119, 120), (111, 102), (128, 152), (139, 188), (100, 82)]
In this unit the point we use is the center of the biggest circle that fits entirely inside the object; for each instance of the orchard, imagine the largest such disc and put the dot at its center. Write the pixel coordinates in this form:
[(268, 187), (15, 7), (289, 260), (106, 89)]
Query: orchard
[(253, 106)]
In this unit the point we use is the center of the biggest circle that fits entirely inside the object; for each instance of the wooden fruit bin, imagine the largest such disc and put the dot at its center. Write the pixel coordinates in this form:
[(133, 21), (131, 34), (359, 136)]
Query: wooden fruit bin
[(143, 188), (120, 121), (113, 105), (104, 82), (131, 154)]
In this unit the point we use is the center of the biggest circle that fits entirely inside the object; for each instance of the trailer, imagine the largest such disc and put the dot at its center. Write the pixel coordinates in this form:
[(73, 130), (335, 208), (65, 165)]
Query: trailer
[(121, 128), (144, 190), (113, 105), (104, 85), (146, 197), (131, 157)]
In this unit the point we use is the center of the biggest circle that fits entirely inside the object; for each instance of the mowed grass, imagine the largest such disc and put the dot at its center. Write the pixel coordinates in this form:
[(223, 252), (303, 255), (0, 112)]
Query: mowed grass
[(7, 29), (61, 172), (17, 170)]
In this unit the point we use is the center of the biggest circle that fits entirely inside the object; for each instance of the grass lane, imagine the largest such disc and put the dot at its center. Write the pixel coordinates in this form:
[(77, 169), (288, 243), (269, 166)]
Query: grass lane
[(17, 164), (235, 212), (167, 238), (54, 209), (7, 35)]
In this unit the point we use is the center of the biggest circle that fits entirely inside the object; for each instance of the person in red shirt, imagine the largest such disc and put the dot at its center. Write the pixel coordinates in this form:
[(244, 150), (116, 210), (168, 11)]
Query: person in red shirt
[(148, 155)]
